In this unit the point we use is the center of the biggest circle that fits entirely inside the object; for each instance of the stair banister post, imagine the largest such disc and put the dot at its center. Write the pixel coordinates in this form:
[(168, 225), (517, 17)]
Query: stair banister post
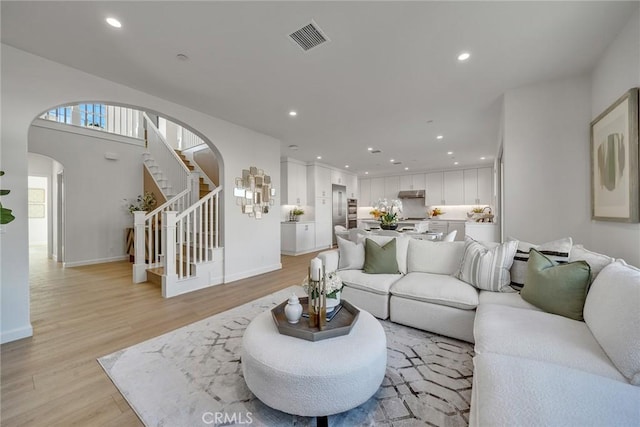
[(169, 242), (194, 186), (139, 245)]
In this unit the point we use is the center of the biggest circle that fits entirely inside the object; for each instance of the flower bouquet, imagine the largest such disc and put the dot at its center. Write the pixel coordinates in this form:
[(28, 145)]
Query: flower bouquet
[(334, 286)]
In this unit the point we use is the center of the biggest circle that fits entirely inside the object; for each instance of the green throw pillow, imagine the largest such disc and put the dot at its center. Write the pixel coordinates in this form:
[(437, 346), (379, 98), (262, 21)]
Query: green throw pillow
[(380, 259), (556, 288)]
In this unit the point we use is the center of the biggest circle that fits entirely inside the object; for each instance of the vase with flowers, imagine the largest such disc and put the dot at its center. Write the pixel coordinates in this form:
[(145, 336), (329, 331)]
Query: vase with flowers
[(333, 288), (436, 212), (295, 213)]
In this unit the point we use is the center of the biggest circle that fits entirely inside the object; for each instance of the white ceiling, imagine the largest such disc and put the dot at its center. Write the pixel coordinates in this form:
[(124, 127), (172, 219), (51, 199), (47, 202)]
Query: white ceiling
[(388, 79)]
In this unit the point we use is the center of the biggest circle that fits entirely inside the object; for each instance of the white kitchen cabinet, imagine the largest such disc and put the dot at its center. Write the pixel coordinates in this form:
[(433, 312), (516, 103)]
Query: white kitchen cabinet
[(337, 177), (364, 192), (377, 190), (297, 237), (412, 182), (485, 186), (437, 226), (293, 179), (324, 226), (433, 191), (318, 182), (453, 187), (351, 182), (460, 227), (483, 231), (391, 187), (478, 184)]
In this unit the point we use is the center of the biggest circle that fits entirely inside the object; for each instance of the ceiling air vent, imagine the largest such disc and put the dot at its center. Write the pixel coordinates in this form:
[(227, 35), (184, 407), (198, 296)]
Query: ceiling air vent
[(375, 151), (397, 163), (309, 36)]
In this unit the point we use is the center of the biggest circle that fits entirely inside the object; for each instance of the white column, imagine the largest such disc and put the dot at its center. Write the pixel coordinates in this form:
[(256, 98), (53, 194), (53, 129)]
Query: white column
[(139, 244), (169, 278)]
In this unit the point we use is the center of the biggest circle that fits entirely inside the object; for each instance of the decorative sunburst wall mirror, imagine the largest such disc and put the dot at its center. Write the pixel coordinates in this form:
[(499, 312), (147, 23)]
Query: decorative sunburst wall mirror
[(254, 192)]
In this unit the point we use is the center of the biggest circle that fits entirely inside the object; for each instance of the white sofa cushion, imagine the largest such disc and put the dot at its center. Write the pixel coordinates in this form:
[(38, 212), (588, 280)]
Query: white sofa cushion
[(437, 289), (376, 283), (486, 266), (511, 299), (511, 391), (595, 260), (434, 257), (541, 336), (557, 250), (612, 312), (351, 254)]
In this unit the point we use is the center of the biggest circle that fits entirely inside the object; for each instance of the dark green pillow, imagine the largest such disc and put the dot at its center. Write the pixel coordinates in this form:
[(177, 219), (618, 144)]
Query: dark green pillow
[(380, 259), (556, 288)]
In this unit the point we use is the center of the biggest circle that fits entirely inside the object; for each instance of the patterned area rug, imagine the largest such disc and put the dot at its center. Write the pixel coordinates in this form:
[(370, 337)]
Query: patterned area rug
[(193, 377)]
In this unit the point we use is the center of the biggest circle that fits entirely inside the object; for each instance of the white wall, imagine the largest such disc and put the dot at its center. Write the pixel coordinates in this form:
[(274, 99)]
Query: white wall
[(95, 189), (41, 166), (31, 84), (546, 152), (617, 71), (38, 230), (546, 140)]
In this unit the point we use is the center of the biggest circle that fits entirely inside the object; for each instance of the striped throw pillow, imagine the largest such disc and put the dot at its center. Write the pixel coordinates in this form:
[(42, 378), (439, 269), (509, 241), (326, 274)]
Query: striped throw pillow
[(557, 250), (487, 267)]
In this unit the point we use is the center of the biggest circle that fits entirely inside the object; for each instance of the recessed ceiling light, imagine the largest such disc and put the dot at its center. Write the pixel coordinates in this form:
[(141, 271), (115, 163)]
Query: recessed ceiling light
[(464, 56), (439, 137), (293, 113), (391, 160), (346, 166), (366, 173), (370, 149), (319, 157), (406, 169), (293, 147), (114, 22), (482, 158), (455, 163), (449, 152)]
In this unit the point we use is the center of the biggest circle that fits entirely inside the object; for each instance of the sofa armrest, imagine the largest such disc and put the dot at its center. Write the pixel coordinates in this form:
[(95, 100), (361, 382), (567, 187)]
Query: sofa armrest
[(330, 260)]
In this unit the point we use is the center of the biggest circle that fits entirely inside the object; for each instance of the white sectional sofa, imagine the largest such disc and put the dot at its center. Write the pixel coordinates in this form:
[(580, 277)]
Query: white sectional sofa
[(532, 368)]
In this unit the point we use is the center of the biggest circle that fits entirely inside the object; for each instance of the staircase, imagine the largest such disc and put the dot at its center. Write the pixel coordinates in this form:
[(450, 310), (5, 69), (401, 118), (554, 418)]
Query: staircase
[(177, 245)]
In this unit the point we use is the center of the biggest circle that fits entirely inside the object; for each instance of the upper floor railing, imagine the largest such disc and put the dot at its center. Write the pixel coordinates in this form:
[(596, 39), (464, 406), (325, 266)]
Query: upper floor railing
[(107, 118)]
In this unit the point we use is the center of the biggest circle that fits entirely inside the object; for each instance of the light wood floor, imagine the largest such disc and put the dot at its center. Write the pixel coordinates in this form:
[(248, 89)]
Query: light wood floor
[(82, 313)]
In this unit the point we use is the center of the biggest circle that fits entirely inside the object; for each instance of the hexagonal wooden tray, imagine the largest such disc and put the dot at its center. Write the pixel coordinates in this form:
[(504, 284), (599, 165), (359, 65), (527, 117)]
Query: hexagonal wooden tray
[(341, 324)]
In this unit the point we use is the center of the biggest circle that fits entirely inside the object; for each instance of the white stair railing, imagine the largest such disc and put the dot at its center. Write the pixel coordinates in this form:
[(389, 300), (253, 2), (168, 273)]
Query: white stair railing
[(148, 232), (189, 139), (190, 237), (172, 167)]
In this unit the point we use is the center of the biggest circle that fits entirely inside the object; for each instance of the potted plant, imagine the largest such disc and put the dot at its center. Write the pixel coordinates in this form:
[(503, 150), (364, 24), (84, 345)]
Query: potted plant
[(389, 221), (145, 202), (5, 214), (436, 212), (295, 214)]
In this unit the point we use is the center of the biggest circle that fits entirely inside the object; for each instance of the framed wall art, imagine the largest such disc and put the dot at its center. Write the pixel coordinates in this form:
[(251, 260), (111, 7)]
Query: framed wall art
[(615, 178)]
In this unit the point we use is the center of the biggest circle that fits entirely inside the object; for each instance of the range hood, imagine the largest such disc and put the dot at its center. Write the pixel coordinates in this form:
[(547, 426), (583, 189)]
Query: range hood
[(411, 194)]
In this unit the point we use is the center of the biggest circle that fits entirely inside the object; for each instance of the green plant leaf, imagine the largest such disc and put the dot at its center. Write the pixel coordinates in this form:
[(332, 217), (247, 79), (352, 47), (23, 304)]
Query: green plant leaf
[(5, 216), (4, 192), (1, 173)]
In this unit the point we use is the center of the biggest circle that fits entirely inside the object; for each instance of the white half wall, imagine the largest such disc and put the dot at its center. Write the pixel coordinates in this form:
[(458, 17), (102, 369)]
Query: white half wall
[(617, 71), (31, 85)]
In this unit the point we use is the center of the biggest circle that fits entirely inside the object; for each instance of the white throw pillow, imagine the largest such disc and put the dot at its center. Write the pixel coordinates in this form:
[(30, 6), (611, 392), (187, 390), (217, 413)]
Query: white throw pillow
[(595, 260), (557, 250), (434, 257), (612, 313), (351, 254), (486, 266)]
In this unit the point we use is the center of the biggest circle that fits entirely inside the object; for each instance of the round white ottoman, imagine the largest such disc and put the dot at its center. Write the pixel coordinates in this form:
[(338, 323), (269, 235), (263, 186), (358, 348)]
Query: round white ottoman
[(314, 379)]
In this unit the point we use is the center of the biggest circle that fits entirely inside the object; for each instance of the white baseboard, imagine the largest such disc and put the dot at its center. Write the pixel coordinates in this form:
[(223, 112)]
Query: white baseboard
[(95, 261), (16, 334), (250, 273)]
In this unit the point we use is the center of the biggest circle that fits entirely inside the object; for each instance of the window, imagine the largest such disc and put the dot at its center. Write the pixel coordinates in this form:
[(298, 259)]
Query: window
[(93, 115)]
